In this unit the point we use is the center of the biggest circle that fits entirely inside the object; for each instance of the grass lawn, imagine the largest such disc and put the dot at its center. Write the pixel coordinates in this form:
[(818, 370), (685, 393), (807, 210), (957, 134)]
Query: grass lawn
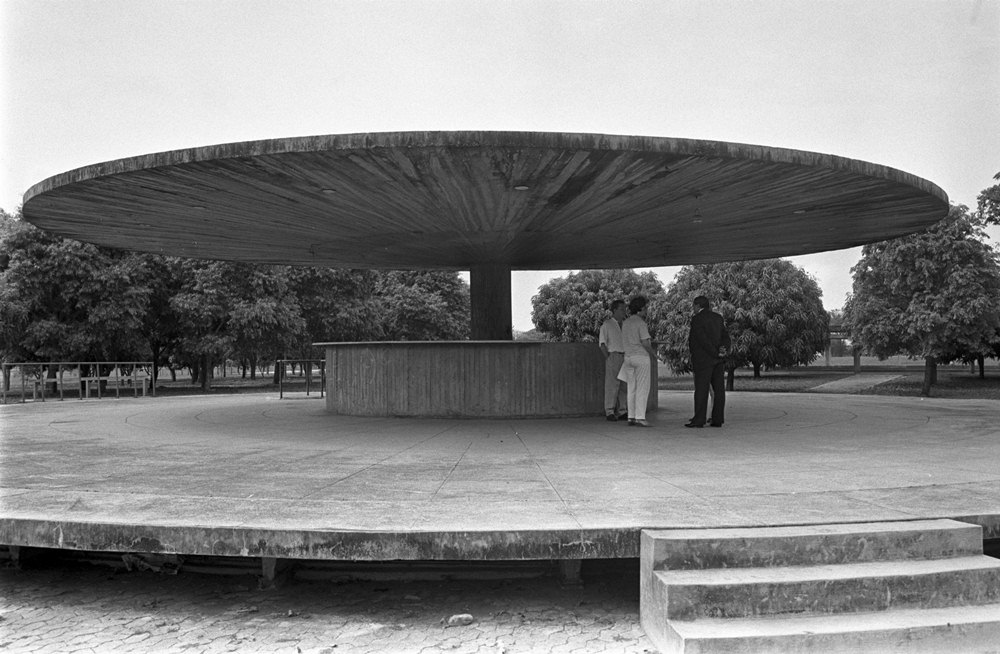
[(950, 384), (953, 381), (775, 381)]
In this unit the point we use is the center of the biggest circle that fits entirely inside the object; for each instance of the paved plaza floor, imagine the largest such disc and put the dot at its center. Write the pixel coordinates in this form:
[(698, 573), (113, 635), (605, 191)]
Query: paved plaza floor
[(259, 475), (84, 609)]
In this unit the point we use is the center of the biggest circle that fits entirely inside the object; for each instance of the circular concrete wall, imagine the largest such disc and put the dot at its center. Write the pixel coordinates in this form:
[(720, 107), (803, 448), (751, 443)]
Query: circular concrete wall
[(501, 379)]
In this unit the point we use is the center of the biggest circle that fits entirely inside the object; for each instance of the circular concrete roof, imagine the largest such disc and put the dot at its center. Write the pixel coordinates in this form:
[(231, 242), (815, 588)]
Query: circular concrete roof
[(452, 200)]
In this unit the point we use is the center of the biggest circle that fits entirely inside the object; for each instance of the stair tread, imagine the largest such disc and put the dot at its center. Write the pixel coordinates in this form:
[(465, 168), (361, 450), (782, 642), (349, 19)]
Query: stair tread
[(828, 572), (774, 626), (839, 529)]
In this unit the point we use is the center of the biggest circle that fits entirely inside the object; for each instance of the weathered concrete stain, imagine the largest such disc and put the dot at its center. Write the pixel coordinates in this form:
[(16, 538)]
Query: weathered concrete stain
[(326, 545)]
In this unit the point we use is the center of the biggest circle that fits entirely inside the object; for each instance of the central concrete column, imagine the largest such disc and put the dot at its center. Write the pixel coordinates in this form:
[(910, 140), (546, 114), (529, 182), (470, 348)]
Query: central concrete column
[(490, 297)]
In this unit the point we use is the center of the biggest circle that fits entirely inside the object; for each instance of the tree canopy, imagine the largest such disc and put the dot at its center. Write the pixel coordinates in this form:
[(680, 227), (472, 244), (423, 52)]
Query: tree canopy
[(988, 203), (934, 294), (422, 306), (62, 300), (572, 308), (772, 309)]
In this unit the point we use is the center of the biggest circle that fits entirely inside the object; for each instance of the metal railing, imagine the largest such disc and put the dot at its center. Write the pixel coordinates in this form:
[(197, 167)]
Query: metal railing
[(34, 377), (307, 365)]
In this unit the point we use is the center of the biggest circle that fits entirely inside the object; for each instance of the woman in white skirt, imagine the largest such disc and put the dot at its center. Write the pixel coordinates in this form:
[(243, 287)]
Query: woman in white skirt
[(635, 370)]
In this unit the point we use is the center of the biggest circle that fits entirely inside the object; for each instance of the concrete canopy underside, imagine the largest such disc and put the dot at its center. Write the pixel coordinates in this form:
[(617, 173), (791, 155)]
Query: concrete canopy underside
[(460, 200)]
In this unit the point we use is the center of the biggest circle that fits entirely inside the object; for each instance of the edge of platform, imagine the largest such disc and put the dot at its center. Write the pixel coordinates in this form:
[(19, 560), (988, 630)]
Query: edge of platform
[(355, 545)]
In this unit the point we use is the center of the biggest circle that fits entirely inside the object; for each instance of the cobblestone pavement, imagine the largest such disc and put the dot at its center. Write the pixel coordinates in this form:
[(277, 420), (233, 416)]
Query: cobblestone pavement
[(75, 607)]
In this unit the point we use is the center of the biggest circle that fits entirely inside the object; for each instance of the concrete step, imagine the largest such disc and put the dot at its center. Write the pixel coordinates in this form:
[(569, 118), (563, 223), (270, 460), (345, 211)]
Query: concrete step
[(911, 631), (918, 586), (843, 588), (688, 549)]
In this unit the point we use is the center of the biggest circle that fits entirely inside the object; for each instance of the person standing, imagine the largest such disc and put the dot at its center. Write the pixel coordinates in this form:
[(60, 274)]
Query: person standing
[(613, 348), (709, 342), (635, 370)]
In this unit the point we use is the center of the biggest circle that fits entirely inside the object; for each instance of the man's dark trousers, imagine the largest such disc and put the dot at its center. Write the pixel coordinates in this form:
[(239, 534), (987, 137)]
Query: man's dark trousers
[(713, 376)]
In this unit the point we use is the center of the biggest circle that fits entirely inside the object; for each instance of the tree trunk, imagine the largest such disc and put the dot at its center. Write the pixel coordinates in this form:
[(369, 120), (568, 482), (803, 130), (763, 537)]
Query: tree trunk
[(155, 351), (981, 360), (278, 367), (730, 379), (930, 373), (50, 379), (205, 374), (103, 371), (756, 370), (253, 368), (84, 371)]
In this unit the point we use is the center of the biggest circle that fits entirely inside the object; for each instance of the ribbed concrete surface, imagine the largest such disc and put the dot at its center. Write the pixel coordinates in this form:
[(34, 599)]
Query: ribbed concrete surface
[(259, 476)]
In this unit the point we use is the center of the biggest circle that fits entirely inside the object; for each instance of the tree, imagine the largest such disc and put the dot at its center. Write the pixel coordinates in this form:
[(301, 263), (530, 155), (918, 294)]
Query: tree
[(202, 304), (838, 348), (65, 300), (336, 305), (422, 306), (572, 308), (934, 294), (265, 319), (161, 323), (772, 308), (988, 204), (235, 309)]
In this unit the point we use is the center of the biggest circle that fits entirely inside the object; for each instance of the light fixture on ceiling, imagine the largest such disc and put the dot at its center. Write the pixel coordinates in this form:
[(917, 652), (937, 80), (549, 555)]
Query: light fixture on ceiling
[(696, 218), (521, 187), (328, 191)]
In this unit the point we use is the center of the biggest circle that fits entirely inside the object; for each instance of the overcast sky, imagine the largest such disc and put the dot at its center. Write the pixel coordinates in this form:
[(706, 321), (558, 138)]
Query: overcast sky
[(913, 84)]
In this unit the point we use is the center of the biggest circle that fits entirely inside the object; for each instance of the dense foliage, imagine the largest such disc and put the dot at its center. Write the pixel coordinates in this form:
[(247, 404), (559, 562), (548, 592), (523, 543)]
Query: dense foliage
[(62, 300), (772, 309), (933, 295), (572, 308), (66, 299), (988, 204)]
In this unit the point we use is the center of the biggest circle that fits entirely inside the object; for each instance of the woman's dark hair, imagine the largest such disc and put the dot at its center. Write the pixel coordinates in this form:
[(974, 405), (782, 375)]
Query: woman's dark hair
[(636, 304)]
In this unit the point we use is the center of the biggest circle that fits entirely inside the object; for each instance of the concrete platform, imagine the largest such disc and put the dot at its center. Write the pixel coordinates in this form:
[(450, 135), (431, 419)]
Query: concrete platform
[(253, 475)]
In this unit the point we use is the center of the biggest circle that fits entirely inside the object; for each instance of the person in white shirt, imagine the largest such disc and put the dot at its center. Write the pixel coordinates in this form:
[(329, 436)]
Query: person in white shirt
[(613, 348), (635, 371)]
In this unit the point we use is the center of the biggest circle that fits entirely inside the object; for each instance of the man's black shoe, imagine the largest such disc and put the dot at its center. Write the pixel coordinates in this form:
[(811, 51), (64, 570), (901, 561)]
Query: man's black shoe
[(694, 424), (611, 417)]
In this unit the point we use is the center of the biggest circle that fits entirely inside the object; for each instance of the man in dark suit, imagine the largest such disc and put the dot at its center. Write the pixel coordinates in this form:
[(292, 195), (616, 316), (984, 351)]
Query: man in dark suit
[(709, 343)]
